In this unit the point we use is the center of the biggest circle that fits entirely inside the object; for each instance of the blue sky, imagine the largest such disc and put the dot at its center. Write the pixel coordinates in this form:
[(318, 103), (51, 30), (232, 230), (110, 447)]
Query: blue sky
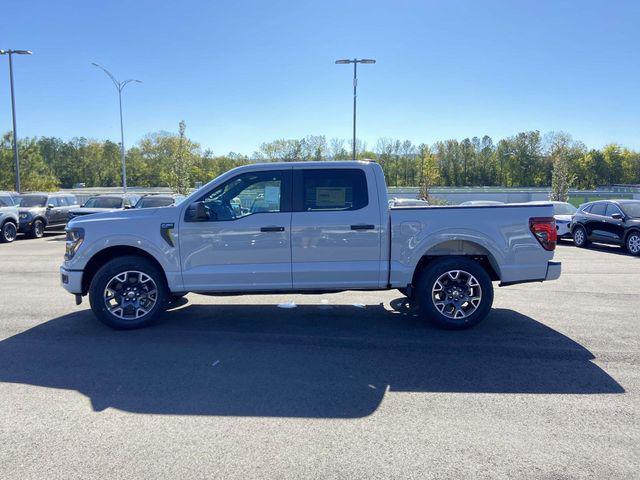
[(244, 72)]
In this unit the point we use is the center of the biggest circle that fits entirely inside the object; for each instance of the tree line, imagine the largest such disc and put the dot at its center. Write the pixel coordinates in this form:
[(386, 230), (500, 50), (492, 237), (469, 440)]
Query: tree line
[(527, 159)]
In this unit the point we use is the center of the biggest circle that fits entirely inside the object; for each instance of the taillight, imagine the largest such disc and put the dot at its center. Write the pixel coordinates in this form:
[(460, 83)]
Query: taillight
[(544, 229)]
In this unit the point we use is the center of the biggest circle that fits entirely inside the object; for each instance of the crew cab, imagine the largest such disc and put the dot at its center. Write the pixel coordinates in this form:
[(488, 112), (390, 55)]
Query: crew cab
[(305, 227)]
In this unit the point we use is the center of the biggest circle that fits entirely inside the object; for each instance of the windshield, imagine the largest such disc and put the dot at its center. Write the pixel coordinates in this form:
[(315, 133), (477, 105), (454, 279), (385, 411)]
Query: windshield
[(33, 201), (104, 202), (631, 209), (564, 209), (6, 201), (148, 202)]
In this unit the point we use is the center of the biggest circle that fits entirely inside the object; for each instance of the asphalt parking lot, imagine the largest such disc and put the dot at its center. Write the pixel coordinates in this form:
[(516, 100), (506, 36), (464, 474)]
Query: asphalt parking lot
[(346, 385)]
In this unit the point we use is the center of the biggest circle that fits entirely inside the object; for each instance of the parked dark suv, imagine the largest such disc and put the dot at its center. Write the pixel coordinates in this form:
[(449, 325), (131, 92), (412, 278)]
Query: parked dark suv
[(159, 200), (615, 222), (105, 203), (38, 211)]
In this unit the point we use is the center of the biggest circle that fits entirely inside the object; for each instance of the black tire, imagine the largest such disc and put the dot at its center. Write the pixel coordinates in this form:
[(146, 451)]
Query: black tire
[(133, 265), (579, 235), (9, 232), (632, 243), (37, 229), (427, 291)]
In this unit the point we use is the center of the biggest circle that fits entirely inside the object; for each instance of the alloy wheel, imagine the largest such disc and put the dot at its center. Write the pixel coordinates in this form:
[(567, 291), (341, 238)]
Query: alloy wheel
[(10, 232), (633, 244), (456, 294), (130, 295), (578, 236), (38, 228)]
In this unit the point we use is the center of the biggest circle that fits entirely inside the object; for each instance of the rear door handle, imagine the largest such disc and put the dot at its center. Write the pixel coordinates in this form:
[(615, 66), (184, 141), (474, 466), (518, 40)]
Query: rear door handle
[(272, 229), (363, 227)]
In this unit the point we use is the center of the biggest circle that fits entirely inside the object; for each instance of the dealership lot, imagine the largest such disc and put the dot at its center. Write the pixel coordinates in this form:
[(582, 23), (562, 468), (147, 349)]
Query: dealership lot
[(347, 385)]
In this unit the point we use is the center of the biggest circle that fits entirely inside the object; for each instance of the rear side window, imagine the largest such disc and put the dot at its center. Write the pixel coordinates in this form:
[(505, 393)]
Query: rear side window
[(71, 200), (598, 208), (333, 190)]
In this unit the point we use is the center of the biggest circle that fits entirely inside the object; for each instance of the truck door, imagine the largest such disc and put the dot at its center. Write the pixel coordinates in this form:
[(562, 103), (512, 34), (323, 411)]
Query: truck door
[(244, 241), (335, 229)]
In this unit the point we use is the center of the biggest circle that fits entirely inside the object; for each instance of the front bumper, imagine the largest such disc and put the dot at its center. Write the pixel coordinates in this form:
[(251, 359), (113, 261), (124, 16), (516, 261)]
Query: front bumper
[(71, 280), (25, 225), (553, 270)]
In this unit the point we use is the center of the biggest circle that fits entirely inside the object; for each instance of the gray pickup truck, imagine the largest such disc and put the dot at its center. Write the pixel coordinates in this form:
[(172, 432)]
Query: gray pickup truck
[(305, 227)]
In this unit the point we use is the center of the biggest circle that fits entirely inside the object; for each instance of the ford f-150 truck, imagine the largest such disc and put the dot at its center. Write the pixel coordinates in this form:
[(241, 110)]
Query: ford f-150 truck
[(305, 227)]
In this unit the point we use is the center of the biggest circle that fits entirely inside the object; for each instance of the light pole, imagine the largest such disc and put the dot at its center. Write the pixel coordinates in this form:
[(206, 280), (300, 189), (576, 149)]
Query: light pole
[(120, 86), (16, 157), (355, 62)]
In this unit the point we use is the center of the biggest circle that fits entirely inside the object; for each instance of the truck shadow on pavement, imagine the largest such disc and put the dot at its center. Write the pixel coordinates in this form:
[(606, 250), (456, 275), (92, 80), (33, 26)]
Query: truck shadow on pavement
[(318, 361)]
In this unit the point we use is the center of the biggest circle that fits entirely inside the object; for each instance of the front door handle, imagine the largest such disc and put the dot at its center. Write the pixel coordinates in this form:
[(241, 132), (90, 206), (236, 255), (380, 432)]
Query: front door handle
[(272, 229), (363, 227)]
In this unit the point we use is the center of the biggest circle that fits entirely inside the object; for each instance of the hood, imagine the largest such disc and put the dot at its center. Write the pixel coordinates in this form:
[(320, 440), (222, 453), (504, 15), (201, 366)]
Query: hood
[(31, 210), (88, 211), (563, 218), (106, 215), (632, 222)]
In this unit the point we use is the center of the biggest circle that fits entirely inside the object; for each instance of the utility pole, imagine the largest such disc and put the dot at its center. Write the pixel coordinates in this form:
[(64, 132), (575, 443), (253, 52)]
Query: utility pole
[(16, 157), (355, 62), (120, 86)]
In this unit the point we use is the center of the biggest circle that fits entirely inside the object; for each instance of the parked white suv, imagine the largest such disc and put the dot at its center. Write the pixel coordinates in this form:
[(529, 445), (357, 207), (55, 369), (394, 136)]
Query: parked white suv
[(300, 227)]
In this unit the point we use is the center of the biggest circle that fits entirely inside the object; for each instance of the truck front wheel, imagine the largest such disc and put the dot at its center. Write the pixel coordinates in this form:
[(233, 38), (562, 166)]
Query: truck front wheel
[(454, 293), (128, 292)]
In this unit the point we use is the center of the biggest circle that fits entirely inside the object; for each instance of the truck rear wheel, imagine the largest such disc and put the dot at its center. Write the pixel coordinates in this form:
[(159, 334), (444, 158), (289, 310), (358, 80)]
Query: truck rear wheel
[(454, 293), (128, 292)]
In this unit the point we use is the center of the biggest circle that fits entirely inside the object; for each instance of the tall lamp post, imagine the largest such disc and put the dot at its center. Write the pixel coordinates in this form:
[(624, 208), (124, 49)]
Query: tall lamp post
[(16, 157), (355, 62), (120, 86)]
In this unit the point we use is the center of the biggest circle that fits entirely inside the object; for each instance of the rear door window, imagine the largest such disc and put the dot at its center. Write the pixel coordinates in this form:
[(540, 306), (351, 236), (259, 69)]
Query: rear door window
[(6, 201), (332, 190), (599, 209)]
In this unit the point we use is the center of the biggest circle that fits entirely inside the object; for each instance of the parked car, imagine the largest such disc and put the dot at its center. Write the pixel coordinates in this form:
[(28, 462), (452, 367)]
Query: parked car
[(159, 200), (39, 211), (8, 218), (407, 202), (105, 203), (614, 222), (481, 203), (309, 226), (563, 213)]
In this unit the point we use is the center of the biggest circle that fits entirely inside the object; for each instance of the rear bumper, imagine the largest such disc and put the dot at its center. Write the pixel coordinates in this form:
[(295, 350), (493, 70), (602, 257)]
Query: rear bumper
[(553, 273), (71, 280), (553, 270)]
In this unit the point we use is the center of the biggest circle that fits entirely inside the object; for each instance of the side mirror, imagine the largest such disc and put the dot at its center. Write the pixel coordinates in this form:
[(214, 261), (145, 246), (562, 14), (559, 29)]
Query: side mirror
[(198, 213), (81, 206), (50, 206), (617, 216)]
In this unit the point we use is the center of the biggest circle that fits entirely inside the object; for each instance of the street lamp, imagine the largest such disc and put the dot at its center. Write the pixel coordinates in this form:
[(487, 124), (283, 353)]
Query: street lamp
[(16, 158), (120, 86), (355, 62)]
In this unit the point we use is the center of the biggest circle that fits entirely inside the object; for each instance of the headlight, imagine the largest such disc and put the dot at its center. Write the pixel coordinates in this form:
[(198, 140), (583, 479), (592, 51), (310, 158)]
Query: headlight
[(75, 237)]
